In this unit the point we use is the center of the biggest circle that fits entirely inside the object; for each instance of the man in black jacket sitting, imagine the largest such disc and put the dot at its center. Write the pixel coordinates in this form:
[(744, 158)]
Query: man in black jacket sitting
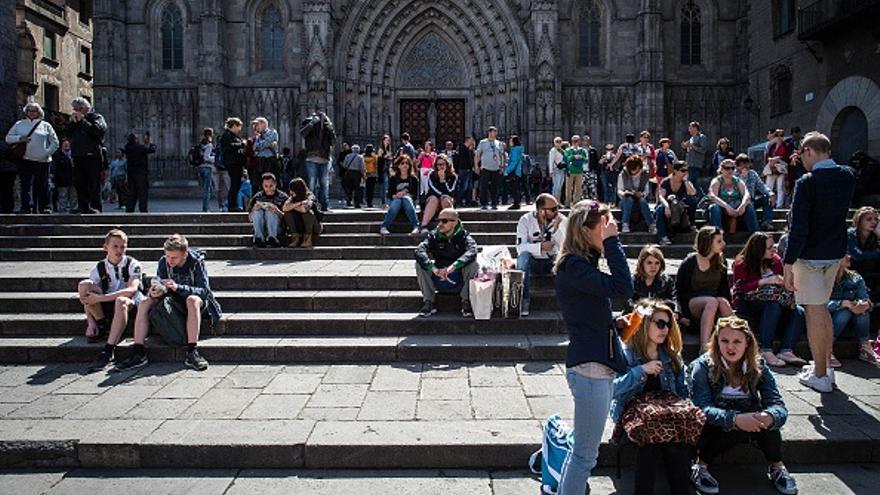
[(446, 260)]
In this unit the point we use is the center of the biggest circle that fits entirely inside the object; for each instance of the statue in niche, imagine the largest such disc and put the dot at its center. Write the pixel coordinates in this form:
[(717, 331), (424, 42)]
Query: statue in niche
[(545, 106), (432, 119)]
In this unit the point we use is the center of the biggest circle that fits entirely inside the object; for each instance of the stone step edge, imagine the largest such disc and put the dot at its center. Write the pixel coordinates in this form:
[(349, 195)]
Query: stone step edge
[(337, 349), (490, 444)]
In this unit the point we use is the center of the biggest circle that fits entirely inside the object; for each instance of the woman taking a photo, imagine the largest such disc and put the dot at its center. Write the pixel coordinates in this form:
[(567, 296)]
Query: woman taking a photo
[(759, 294), (594, 352), (701, 284), (738, 393)]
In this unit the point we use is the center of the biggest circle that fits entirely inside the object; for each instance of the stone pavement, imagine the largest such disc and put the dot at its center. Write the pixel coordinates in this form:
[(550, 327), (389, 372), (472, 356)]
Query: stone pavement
[(844, 479), (353, 416)]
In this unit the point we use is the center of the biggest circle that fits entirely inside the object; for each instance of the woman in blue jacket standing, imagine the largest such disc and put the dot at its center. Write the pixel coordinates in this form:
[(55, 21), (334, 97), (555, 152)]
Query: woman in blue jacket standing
[(594, 351), (513, 170)]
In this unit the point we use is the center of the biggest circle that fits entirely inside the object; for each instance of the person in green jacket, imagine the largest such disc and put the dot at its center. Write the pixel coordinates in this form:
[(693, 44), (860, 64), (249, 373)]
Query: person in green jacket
[(577, 159)]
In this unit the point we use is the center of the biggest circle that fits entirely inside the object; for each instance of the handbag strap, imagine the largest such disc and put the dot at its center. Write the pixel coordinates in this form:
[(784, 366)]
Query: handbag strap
[(34, 128)]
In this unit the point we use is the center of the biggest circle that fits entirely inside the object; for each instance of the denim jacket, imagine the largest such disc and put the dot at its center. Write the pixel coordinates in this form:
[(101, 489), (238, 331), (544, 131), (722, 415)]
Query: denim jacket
[(851, 287), (707, 396), (632, 382)]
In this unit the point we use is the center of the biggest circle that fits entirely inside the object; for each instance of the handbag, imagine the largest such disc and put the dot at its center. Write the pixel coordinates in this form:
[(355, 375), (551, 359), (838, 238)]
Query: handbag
[(20, 149), (772, 293), (659, 417)]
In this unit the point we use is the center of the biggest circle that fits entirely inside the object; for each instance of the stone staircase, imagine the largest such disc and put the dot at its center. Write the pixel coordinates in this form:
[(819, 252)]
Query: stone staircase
[(353, 299)]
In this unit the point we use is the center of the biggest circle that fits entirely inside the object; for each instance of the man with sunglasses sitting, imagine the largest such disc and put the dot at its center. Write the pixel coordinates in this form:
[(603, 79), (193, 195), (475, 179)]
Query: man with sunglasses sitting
[(446, 261), (539, 235)]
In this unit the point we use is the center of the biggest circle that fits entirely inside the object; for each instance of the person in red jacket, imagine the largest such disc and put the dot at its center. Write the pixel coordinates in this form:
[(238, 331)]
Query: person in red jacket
[(759, 294)]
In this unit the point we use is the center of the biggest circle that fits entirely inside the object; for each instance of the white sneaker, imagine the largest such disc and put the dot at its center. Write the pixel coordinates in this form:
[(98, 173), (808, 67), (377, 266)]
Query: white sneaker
[(664, 241), (807, 370), (415, 231), (823, 385), (625, 229), (384, 231), (652, 229)]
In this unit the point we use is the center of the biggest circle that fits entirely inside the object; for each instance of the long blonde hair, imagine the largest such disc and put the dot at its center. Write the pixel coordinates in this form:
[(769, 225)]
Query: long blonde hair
[(752, 369), (586, 213), (672, 345)]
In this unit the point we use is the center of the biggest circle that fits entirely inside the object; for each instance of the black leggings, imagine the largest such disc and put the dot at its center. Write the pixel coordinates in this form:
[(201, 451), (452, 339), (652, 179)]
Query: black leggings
[(674, 458), (714, 441)]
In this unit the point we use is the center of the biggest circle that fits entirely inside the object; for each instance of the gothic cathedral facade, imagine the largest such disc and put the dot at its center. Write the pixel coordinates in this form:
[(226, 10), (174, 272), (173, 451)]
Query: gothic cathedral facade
[(438, 69)]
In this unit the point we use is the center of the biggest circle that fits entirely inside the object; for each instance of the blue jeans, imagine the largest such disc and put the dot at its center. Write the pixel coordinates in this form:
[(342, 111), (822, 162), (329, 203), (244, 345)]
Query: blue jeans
[(769, 315), (206, 182), (750, 218), (592, 401), (383, 187), (394, 208), (266, 225), (318, 179), (558, 182), (660, 216), (529, 264), (609, 184), (464, 187), (627, 203), (861, 324), (764, 202)]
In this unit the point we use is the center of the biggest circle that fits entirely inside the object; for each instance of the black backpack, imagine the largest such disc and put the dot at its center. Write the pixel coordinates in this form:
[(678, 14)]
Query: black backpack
[(196, 155), (105, 277), (678, 219)]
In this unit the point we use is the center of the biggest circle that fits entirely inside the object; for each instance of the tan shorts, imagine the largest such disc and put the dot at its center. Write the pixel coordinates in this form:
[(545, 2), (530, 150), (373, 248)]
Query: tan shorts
[(814, 283)]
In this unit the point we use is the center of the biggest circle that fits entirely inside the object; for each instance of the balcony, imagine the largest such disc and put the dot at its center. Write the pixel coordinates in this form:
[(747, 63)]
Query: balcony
[(825, 18)]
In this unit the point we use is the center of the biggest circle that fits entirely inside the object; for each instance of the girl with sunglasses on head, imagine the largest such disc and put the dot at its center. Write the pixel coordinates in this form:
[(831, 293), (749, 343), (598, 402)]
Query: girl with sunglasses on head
[(594, 352), (759, 294), (737, 391), (654, 379), (441, 189), (731, 201)]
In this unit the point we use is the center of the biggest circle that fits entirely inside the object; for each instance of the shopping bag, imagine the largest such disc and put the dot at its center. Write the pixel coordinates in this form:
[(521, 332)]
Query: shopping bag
[(511, 293), (482, 293)]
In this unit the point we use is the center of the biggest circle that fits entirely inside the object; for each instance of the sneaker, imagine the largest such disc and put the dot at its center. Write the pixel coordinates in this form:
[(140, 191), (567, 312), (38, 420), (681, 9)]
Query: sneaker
[(466, 310), (427, 309), (782, 480), (524, 311), (484, 207), (703, 480), (494, 207), (424, 231), (807, 370), (195, 361), (664, 241), (625, 228), (867, 354), (822, 385), (652, 229), (384, 231), (134, 361), (415, 231), (100, 363)]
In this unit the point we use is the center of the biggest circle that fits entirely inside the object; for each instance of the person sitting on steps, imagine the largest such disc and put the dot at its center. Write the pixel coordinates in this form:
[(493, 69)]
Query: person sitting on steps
[(403, 189), (265, 212), (446, 259), (299, 215), (179, 298), (441, 189), (539, 235), (634, 189), (701, 285), (111, 290)]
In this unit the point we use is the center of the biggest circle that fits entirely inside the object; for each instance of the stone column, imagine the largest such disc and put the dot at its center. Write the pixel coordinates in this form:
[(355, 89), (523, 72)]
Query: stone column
[(544, 89), (211, 63), (649, 87), (110, 65), (8, 66), (317, 90)]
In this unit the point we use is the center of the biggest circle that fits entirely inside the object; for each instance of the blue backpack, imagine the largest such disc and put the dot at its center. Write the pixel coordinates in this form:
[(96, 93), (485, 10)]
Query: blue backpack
[(557, 443)]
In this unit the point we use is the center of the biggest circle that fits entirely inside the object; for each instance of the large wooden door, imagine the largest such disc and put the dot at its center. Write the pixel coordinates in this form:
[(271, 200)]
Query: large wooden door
[(448, 120)]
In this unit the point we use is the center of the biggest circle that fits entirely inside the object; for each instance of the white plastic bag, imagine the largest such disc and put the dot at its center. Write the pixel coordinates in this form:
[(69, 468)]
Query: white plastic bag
[(491, 259), (482, 293)]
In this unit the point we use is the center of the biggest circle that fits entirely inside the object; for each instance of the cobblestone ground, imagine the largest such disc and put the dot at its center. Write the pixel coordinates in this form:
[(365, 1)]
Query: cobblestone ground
[(846, 479)]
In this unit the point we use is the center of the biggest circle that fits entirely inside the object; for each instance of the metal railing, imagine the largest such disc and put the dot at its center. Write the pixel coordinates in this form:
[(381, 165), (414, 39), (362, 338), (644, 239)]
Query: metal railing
[(822, 14)]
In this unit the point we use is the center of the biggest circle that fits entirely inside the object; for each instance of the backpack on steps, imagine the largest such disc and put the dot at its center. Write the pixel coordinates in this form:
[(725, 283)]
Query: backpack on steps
[(557, 443)]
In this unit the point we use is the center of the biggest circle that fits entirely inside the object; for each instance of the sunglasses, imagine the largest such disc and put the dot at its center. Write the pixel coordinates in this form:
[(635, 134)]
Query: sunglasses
[(682, 170), (663, 324), (445, 220), (728, 167), (732, 322), (554, 209), (593, 205)]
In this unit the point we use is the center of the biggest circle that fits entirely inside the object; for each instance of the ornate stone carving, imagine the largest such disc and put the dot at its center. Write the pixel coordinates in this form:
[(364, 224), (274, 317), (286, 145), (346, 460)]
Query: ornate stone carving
[(431, 63)]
